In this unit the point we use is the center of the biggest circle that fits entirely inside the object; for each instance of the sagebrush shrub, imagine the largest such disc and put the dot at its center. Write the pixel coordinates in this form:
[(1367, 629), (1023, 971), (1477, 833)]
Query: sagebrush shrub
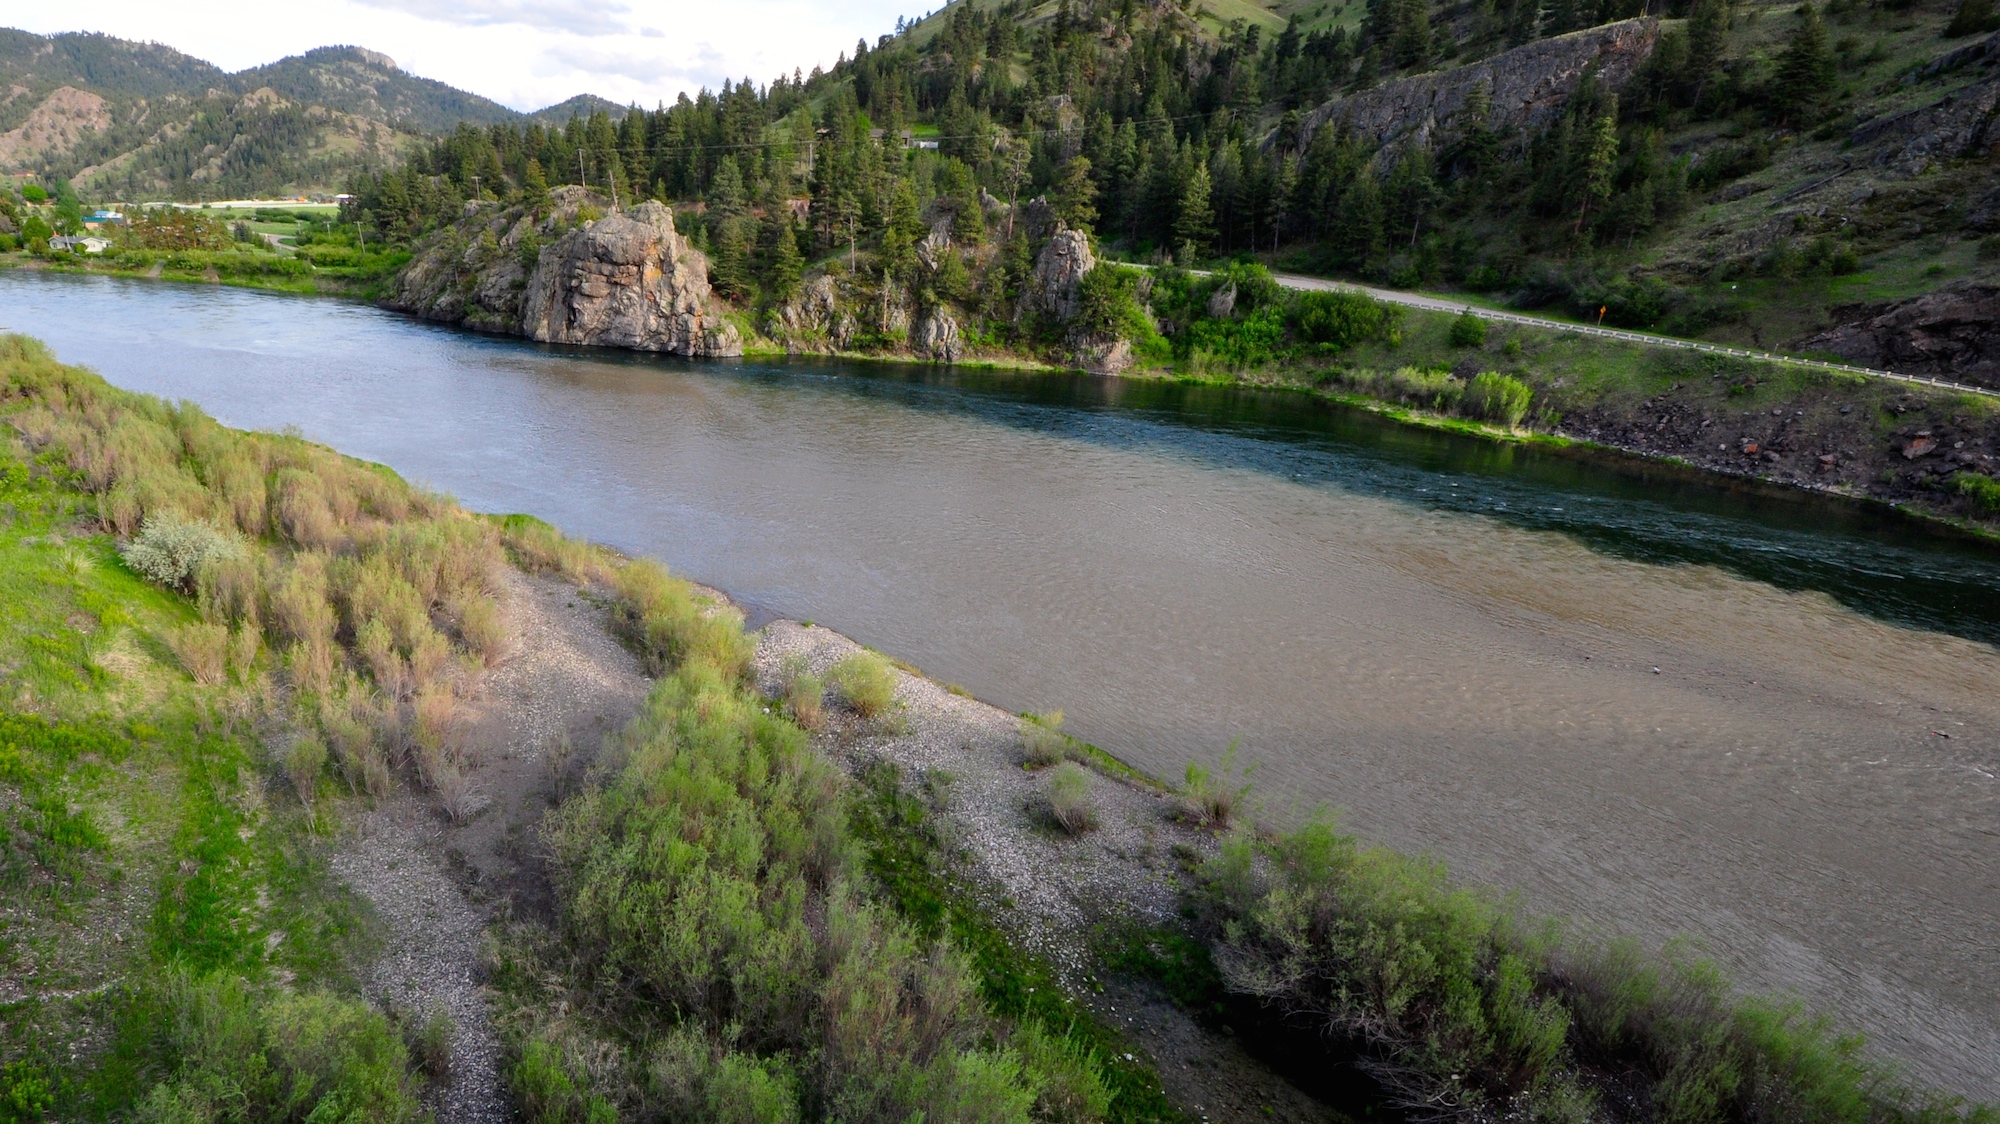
[(203, 651), (866, 682), (169, 550)]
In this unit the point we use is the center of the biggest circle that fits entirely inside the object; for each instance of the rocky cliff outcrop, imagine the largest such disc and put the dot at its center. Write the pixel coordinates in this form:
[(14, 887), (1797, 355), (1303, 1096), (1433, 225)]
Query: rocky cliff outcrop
[(1953, 333), (1055, 288), (625, 280), (1525, 87)]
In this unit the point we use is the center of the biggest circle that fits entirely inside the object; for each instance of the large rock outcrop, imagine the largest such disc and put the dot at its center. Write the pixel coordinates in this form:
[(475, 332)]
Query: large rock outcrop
[(1953, 333), (626, 280), (1055, 289), (1525, 87)]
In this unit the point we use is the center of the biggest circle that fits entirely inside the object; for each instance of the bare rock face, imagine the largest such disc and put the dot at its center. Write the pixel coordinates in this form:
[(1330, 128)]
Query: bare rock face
[(814, 318), (1528, 85), (628, 280), (1960, 125), (471, 275), (1104, 356), (1055, 287), (1953, 333), (939, 337)]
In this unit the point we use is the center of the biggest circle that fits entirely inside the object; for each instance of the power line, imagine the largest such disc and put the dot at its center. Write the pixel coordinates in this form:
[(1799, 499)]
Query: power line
[(681, 149)]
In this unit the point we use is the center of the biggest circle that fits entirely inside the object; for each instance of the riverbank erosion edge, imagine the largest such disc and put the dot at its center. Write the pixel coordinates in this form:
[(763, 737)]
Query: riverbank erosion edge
[(741, 908)]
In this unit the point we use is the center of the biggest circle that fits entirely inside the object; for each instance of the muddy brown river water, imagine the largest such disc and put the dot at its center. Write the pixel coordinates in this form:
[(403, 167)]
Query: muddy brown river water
[(1660, 704)]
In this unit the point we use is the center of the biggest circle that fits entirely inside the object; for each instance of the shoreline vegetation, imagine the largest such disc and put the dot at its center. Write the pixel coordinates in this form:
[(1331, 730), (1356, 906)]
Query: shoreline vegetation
[(227, 645)]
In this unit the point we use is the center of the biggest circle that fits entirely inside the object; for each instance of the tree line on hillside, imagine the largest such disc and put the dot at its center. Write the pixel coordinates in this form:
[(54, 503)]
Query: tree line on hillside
[(1094, 109)]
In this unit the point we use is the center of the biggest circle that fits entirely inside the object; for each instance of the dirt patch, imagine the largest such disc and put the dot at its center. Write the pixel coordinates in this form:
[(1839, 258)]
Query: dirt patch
[(437, 885), (1052, 892)]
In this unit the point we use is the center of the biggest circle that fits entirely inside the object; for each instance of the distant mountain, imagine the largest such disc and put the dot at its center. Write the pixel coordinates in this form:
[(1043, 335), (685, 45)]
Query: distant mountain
[(582, 105), (368, 84), (142, 120)]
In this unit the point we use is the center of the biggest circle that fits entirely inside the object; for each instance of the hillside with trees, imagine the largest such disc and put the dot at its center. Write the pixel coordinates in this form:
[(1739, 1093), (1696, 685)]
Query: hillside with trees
[(1753, 172)]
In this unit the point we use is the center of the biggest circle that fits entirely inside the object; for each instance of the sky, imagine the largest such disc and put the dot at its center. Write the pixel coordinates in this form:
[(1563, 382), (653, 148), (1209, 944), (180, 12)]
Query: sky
[(521, 53)]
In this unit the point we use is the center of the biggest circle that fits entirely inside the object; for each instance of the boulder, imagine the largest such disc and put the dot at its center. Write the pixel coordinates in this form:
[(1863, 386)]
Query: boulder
[(627, 280)]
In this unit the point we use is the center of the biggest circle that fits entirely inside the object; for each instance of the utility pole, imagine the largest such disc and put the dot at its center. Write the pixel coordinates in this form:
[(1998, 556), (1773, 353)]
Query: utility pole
[(475, 187)]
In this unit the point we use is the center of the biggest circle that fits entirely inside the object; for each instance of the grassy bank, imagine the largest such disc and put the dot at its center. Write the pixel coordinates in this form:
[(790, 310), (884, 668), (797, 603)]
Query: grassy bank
[(330, 271)]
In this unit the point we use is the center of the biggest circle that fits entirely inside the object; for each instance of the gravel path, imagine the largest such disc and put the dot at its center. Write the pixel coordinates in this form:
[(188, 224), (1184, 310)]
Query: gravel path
[(1049, 890), (436, 885)]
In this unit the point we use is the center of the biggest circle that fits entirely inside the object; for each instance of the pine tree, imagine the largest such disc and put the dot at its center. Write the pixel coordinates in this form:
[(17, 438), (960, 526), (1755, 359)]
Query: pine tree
[(784, 266), (1413, 34), (1597, 165), (1805, 71), (725, 192), (535, 187), (1357, 232), (729, 264), (1076, 195), (1194, 226)]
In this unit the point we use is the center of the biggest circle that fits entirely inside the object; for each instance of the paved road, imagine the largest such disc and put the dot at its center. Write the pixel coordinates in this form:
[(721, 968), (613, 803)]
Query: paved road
[(1444, 304)]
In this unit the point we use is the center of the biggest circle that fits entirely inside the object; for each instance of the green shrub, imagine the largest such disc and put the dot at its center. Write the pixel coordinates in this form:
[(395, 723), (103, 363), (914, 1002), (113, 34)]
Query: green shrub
[(203, 651), (1252, 340), (229, 1053), (1042, 741), (1069, 798), (1333, 322), (1468, 330), (686, 887), (865, 682), (673, 625), (1498, 398), (1983, 491), (1209, 798)]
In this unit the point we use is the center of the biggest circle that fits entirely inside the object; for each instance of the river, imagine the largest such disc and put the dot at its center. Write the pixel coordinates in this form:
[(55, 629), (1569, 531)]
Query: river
[(1657, 703)]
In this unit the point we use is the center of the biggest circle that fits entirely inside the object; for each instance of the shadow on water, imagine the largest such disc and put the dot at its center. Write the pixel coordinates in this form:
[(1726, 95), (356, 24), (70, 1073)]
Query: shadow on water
[(1869, 558)]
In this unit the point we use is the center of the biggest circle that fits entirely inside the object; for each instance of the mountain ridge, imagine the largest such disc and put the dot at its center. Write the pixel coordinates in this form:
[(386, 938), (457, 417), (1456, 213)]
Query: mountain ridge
[(122, 115)]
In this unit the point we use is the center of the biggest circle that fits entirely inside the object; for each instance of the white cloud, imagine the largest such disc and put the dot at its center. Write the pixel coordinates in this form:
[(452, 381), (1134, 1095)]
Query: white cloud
[(576, 17), (522, 53)]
